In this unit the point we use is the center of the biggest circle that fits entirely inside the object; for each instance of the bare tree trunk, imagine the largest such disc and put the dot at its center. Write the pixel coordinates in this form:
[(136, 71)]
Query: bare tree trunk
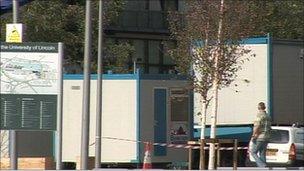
[(213, 125), (204, 97), (203, 126), (203, 119), (202, 109), (215, 87)]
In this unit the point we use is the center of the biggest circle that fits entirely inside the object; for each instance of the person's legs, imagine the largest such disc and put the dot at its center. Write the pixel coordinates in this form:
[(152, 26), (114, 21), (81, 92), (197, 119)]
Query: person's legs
[(262, 151), (256, 146)]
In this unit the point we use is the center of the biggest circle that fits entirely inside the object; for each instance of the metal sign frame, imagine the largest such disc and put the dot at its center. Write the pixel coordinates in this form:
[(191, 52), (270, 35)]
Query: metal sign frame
[(31, 85)]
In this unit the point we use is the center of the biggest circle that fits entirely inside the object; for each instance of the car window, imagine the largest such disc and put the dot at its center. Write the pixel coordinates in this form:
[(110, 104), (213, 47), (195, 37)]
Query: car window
[(279, 136), (299, 136)]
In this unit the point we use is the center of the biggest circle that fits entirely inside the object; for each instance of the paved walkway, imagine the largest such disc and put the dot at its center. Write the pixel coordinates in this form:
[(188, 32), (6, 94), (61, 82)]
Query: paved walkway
[(227, 168), (258, 168)]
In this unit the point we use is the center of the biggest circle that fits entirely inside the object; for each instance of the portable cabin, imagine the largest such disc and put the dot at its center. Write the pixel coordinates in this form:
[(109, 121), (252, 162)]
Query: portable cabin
[(136, 108)]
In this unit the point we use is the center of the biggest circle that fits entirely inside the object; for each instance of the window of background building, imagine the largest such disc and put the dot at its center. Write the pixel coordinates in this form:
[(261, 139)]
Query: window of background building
[(139, 54), (167, 58), (150, 56), (181, 5), (135, 5), (154, 56), (146, 14), (154, 51), (163, 5), (153, 5)]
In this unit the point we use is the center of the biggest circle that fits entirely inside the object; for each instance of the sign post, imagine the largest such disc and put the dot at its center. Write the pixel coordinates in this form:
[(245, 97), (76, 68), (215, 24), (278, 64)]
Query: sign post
[(59, 110), (13, 134)]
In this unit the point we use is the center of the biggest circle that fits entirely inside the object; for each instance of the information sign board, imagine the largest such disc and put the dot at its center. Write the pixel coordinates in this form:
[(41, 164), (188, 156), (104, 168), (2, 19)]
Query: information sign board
[(29, 74)]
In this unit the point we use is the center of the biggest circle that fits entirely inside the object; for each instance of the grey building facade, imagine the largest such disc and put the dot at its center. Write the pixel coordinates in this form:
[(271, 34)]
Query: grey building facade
[(143, 24)]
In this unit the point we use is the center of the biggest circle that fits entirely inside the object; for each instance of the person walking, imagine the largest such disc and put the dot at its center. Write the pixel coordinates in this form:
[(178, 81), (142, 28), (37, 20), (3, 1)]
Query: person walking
[(260, 135)]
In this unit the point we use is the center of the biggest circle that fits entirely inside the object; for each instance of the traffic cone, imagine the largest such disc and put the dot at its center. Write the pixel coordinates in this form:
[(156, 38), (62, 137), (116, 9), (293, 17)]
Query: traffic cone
[(147, 159)]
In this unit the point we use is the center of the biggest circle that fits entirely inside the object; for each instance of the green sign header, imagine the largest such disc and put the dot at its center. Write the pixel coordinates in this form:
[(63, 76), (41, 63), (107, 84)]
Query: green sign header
[(29, 47)]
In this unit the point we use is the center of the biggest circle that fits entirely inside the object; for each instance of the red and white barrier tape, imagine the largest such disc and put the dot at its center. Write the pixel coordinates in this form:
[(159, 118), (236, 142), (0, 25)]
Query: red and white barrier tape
[(195, 147), (173, 145)]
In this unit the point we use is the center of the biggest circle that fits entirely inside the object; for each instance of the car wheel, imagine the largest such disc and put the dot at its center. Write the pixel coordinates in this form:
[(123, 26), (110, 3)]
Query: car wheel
[(249, 163)]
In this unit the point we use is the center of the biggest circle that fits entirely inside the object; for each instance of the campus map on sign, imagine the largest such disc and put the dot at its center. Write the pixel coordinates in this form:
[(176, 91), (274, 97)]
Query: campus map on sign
[(24, 73)]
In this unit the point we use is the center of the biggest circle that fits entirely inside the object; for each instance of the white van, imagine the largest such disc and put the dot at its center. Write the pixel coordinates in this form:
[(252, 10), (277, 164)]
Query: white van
[(286, 147)]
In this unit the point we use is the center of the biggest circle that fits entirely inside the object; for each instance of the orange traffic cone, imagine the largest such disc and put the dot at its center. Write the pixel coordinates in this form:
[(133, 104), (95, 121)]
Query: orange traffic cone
[(147, 159)]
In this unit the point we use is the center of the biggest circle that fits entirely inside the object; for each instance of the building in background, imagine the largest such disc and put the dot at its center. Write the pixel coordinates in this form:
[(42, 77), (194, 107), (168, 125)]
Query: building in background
[(7, 5), (143, 23)]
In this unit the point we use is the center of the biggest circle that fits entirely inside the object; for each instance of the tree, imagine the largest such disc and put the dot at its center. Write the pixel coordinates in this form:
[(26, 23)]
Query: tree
[(117, 56), (63, 21), (209, 34), (283, 19)]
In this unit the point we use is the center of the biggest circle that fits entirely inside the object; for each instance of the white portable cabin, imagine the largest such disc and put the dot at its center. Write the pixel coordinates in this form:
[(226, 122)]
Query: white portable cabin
[(136, 108), (273, 76)]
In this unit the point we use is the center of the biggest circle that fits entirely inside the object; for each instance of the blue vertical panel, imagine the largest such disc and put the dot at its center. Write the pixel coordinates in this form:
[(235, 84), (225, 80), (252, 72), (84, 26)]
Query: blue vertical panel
[(270, 76), (160, 120), (191, 112), (138, 104)]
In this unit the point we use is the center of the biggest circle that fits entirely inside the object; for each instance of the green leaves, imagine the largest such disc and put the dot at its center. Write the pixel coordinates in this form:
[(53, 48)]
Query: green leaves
[(118, 56), (283, 19), (200, 23), (242, 19), (63, 21)]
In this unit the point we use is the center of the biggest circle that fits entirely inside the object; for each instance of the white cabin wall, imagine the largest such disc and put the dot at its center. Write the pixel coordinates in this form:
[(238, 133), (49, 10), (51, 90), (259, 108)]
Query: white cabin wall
[(118, 120), (241, 107)]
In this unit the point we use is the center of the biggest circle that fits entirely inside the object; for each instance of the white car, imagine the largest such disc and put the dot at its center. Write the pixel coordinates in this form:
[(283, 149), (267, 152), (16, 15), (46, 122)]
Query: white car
[(286, 147)]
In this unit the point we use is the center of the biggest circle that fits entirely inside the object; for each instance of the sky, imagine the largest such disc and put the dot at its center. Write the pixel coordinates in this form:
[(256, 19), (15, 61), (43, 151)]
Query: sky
[(7, 4)]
